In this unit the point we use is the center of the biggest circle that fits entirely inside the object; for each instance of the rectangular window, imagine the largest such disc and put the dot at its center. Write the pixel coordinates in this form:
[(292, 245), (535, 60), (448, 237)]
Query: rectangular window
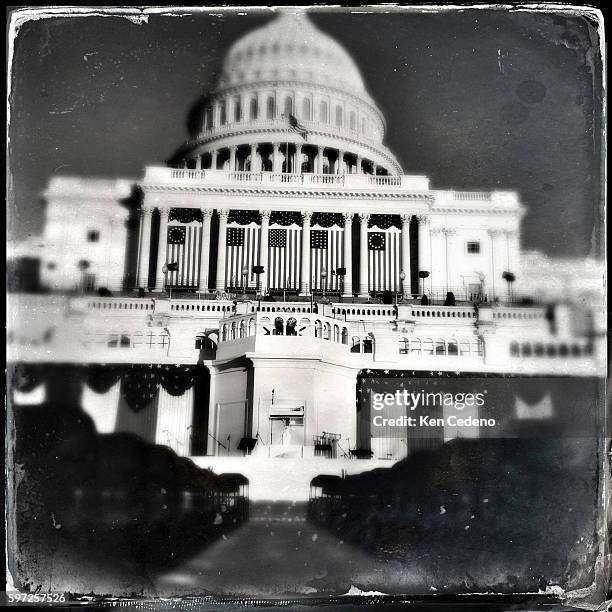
[(473, 247), (93, 236)]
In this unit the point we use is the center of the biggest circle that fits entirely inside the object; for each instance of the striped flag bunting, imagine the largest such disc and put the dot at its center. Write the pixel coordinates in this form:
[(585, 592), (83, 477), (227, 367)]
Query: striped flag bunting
[(326, 253), (242, 250), (284, 257), (184, 249), (384, 259)]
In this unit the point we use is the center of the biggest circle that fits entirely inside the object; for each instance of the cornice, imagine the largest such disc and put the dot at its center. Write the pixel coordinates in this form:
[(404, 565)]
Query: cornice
[(298, 193)]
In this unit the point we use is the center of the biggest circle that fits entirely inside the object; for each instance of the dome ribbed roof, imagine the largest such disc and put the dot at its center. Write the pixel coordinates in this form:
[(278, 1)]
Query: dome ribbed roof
[(290, 47)]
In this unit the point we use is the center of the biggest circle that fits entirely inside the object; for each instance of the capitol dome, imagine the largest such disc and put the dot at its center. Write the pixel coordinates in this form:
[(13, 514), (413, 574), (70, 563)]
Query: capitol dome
[(291, 47), (289, 74)]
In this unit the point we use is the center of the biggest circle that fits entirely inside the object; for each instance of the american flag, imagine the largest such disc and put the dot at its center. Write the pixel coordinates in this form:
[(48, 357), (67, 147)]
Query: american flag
[(384, 255), (184, 249), (284, 257), (326, 253), (242, 248)]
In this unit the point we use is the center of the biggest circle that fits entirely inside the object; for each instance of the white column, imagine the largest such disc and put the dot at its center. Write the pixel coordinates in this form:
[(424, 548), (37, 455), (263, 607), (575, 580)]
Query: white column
[(145, 248), (305, 260), (348, 255), (221, 250), (161, 249), (275, 157), (363, 255), (359, 160), (213, 159), (255, 164), (263, 249), (199, 162), (374, 168), (340, 162), (298, 159), (496, 259), (205, 250), (320, 161), (448, 256), (232, 160), (407, 288), (424, 250)]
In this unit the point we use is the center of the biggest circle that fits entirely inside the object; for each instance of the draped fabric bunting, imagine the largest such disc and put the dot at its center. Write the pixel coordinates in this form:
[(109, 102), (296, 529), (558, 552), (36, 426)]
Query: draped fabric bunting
[(385, 221), (185, 215), (27, 376), (100, 378), (140, 383), (327, 219)]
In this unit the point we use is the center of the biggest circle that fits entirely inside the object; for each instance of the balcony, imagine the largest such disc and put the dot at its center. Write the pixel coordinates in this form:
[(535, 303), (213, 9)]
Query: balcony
[(360, 182)]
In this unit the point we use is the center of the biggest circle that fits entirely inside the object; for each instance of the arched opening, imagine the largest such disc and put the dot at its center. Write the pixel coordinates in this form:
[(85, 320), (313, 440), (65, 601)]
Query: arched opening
[(339, 116), (352, 121), (306, 109), (368, 345), (222, 113), (279, 326), (303, 327), (265, 325), (344, 335), (253, 110), (291, 327), (318, 329), (237, 110), (356, 344), (327, 331), (288, 106)]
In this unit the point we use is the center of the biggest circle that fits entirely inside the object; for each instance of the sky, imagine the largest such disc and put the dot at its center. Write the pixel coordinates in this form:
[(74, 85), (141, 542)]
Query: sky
[(474, 99)]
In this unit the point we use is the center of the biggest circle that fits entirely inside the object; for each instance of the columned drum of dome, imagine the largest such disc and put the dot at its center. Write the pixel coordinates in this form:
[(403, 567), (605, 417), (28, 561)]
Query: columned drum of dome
[(289, 72)]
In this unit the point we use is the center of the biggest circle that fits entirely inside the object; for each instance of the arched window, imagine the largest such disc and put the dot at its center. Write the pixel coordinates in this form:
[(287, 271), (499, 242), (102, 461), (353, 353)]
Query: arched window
[(368, 345), (327, 331), (428, 346), (224, 333), (304, 326), (353, 121), (318, 329), (356, 344), (339, 116), (404, 346), (288, 106), (538, 350), (452, 348), (323, 112), (279, 325), (222, 113), (251, 328), (306, 109), (514, 349), (208, 120), (440, 347), (336, 333), (270, 108), (291, 327), (265, 325), (344, 335), (415, 346), (363, 129), (233, 331), (253, 109), (526, 349), (242, 329), (237, 109)]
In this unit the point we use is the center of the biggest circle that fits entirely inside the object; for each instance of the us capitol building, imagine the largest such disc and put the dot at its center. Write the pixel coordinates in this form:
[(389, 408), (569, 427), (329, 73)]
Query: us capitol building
[(279, 256)]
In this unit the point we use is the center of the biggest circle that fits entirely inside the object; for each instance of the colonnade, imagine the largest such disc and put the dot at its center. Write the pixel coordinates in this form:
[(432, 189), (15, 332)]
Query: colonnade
[(288, 157), (146, 237)]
